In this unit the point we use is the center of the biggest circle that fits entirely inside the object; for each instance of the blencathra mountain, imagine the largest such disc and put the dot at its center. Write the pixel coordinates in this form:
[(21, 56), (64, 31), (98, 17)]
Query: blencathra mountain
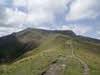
[(49, 52)]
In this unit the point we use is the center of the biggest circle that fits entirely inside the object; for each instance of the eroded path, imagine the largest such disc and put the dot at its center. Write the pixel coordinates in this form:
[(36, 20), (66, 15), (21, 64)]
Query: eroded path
[(56, 67), (84, 65)]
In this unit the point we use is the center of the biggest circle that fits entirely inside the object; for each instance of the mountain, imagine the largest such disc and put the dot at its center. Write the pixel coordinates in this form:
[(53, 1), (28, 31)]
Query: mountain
[(17, 42), (88, 39), (49, 52)]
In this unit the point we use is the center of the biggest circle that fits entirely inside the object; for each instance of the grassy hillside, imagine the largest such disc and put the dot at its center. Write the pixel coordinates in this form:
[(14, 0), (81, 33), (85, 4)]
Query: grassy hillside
[(53, 54), (90, 53), (19, 43), (39, 60)]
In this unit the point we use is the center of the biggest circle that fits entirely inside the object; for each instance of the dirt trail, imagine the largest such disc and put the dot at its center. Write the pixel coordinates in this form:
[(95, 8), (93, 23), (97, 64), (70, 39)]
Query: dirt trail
[(84, 65), (56, 67)]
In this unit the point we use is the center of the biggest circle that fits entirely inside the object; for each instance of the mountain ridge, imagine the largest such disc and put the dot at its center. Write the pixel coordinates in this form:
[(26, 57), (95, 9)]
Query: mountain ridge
[(36, 51), (66, 32), (17, 41)]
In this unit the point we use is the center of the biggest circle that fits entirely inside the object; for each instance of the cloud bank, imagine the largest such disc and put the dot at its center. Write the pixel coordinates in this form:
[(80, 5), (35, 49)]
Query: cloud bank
[(78, 29), (83, 9), (16, 15)]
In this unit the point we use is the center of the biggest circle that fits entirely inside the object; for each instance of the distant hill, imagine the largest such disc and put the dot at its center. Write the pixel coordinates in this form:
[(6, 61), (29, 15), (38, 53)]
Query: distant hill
[(88, 39)]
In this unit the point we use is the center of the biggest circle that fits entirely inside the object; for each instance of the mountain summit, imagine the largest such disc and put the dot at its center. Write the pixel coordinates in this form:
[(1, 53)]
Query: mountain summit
[(49, 52)]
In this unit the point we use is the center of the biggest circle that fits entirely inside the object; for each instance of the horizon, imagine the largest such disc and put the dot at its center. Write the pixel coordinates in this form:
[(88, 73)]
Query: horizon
[(51, 30), (82, 17)]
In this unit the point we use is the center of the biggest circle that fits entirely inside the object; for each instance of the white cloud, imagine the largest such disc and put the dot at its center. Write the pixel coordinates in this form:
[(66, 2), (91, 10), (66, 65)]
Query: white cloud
[(83, 9), (6, 31), (98, 32), (10, 20), (4, 28), (19, 3), (78, 29), (1, 2), (15, 17), (36, 12), (43, 27), (42, 11)]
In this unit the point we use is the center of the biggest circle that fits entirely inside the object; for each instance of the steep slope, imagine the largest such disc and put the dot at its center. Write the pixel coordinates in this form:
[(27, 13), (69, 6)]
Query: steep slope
[(52, 50), (56, 53), (16, 44), (9, 46)]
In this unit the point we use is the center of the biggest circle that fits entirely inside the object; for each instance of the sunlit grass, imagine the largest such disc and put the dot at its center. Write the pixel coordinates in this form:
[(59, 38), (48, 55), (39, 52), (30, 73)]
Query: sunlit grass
[(91, 55), (53, 48)]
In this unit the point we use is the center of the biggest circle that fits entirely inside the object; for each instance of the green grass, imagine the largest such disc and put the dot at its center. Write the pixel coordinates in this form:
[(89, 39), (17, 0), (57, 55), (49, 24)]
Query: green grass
[(51, 48), (36, 64), (90, 53), (73, 67)]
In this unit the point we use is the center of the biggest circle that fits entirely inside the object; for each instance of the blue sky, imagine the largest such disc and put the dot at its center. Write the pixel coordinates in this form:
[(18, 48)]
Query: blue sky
[(81, 16)]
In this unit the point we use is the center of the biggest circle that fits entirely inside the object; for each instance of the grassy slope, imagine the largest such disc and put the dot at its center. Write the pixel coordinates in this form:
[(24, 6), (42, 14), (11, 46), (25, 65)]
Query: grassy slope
[(53, 48), (90, 53)]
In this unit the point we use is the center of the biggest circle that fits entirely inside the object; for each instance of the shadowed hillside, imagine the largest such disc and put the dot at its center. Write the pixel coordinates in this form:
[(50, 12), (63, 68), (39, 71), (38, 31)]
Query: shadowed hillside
[(11, 48), (49, 52), (16, 44)]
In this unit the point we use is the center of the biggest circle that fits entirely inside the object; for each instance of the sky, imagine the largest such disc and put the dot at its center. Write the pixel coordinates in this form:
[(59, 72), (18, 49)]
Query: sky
[(81, 16)]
